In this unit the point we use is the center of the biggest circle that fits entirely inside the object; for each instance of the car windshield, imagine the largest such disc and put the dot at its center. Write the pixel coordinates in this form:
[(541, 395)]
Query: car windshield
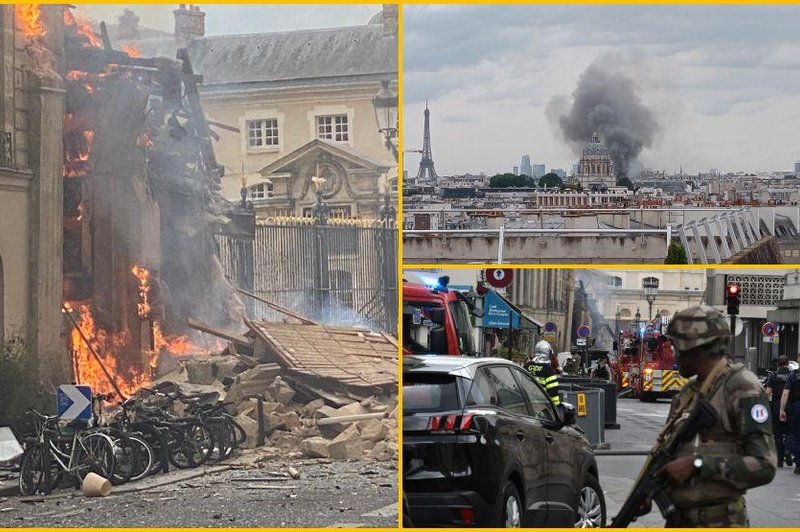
[(429, 392)]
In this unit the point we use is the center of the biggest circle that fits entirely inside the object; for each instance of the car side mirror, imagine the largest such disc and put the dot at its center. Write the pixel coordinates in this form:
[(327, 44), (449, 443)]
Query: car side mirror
[(437, 339), (567, 414), (436, 315)]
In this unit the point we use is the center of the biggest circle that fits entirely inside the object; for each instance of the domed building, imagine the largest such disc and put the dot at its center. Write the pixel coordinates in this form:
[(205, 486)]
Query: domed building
[(595, 169)]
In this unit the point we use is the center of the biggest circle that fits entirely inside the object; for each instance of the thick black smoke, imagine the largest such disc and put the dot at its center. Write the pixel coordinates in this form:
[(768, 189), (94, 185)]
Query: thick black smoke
[(608, 103)]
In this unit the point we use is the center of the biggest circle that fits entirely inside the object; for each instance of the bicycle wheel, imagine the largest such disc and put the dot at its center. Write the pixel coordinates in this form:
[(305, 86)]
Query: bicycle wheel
[(191, 444), (223, 438), (34, 472), (94, 454), (145, 461), (126, 458), (240, 436)]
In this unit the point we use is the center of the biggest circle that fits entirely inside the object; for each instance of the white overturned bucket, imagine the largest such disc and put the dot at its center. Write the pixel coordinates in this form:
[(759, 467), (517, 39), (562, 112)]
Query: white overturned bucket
[(95, 486)]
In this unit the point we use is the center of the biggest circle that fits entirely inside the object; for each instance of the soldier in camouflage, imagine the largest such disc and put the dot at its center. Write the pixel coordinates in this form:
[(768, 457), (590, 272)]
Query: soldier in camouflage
[(710, 474)]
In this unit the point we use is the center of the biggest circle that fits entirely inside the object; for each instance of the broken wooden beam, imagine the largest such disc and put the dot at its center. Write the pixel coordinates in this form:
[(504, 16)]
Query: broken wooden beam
[(350, 419), (230, 336)]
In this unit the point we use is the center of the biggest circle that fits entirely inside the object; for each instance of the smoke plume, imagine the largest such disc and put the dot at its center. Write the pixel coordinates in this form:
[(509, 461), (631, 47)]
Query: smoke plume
[(606, 102)]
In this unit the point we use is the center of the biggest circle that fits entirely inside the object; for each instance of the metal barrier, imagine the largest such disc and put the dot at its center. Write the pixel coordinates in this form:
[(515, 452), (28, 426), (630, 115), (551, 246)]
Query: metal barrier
[(588, 403), (609, 400)]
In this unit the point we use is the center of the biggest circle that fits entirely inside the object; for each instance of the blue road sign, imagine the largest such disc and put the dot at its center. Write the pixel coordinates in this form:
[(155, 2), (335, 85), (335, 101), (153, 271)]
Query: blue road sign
[(550, 326), (74, 402), (584, 331)]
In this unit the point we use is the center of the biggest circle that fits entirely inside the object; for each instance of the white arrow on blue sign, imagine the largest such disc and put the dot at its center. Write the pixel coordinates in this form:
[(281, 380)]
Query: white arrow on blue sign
[(74, 402)]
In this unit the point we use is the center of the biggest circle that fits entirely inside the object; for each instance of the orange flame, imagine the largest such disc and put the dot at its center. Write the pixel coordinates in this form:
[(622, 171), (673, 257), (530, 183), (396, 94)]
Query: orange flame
[(84, 28), (86, 367), (143, 305), (131, 50), (29, 19)]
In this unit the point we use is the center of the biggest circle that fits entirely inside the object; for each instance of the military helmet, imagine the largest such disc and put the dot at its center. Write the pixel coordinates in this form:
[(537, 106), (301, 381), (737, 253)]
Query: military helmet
[(700, 326)]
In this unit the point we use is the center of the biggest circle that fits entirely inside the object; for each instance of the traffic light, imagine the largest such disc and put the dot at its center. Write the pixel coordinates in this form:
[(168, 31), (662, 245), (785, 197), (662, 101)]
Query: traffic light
[(732, 292)]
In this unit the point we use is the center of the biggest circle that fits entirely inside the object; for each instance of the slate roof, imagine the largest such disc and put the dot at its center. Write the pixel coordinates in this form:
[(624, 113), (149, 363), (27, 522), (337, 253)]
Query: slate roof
[(295, 55), (281, 58)]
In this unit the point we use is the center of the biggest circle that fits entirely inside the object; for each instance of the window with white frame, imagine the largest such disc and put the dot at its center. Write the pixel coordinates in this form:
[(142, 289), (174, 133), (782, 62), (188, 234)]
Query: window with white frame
[(261, 191), (333, 127), (262, 133)]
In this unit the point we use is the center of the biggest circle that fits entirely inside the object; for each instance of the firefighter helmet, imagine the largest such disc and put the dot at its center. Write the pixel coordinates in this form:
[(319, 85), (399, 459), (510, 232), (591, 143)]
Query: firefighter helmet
[(543, 351), (700, 326)]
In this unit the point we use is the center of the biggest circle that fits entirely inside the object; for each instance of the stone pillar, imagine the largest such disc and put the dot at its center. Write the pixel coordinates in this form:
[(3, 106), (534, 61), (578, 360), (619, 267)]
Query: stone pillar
[(45, 99)]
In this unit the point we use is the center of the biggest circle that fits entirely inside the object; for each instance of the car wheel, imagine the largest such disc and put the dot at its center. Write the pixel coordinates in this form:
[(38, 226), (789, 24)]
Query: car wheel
[(510, 507), (591, 504)]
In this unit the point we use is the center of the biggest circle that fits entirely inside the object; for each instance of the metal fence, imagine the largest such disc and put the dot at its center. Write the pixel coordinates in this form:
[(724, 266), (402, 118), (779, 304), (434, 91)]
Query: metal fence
[(343, 272)]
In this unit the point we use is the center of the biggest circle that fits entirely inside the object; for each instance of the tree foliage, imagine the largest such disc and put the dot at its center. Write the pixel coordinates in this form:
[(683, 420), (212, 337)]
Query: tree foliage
[(551, 180), (510, 180), (676, 254)]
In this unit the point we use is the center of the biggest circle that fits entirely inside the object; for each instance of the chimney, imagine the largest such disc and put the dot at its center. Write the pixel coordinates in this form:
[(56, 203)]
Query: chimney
[(190, 23), (389, 17), (128, 26)]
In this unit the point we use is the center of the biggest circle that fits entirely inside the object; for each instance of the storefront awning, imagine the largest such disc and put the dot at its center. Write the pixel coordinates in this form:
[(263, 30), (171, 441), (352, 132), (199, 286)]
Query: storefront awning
[(500, 313)]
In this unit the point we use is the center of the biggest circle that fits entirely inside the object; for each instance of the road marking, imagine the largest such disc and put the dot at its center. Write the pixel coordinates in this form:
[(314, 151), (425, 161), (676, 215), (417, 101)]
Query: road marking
[(389, 510)]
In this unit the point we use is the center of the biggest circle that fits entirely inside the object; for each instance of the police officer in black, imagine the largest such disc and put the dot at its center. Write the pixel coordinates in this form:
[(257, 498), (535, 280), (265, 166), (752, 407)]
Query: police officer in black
[(775, 386), (790, 414)]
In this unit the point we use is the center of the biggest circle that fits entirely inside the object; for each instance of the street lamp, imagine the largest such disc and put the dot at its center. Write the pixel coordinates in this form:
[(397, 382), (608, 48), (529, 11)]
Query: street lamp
[(650, 286), (385, 103)]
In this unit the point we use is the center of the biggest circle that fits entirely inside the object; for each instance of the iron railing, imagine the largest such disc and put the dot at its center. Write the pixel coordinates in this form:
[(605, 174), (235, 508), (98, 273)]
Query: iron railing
[(339, 272)]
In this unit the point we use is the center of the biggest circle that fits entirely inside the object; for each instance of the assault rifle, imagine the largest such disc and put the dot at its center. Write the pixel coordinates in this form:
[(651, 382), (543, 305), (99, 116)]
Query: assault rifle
[(652, 481)]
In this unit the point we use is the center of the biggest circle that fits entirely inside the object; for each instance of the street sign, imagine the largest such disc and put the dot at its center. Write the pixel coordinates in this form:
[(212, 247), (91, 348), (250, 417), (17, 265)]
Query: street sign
[(772, 339), (769, 329), (584, 331), (582, 404), (550, 327), (499, 277), (581, 341), (549, 337), (74, 402)]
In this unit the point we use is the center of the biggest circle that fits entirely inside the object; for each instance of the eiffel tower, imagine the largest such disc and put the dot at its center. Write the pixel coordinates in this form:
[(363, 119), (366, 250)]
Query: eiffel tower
[(426, 169)]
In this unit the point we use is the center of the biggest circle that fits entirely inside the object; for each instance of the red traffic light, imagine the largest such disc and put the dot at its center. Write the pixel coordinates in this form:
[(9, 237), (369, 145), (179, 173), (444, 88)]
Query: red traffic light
[(733, 289)]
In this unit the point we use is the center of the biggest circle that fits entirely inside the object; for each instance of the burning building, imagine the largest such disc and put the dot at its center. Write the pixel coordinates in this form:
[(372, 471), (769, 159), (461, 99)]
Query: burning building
[(110, 191)]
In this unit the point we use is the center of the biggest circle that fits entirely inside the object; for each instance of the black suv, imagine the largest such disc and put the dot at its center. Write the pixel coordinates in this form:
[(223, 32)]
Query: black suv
[(483, 445)]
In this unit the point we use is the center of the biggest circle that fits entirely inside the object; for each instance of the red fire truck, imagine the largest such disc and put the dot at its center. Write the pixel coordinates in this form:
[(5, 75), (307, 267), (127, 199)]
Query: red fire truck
[(647, 363), (436, 321)]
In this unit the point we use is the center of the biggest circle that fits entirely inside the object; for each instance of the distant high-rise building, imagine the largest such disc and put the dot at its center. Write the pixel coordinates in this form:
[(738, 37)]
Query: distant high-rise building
[(560, 172), (525, 166), (797, 167), (538, 170), (575, 169), (515, 171)]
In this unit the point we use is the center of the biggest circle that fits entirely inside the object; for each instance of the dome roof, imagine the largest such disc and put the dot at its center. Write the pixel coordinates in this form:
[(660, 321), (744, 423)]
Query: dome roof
[(595, 147)]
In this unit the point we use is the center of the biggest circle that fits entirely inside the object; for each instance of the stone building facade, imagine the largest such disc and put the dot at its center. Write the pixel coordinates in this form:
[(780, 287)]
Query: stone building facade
[(595, 168), (31, 114), (291, 107)]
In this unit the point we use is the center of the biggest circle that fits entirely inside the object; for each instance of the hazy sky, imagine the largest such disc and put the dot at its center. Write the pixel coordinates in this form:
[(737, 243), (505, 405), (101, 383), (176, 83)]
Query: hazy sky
[(723, 81), (241, 18)]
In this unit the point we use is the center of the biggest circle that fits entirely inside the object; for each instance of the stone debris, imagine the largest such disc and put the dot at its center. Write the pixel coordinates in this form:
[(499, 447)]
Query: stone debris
[(292, 411)]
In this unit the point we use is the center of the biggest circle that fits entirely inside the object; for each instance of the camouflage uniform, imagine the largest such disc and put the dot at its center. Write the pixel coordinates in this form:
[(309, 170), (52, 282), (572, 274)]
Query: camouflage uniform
[(738, 451)]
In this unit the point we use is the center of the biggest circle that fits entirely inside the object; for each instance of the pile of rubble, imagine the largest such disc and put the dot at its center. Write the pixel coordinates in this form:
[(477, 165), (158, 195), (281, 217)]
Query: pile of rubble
[(325, 392)]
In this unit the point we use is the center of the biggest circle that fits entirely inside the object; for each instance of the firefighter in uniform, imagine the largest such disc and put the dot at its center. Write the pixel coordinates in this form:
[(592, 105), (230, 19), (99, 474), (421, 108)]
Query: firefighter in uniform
[(710, 474), (542, 369)]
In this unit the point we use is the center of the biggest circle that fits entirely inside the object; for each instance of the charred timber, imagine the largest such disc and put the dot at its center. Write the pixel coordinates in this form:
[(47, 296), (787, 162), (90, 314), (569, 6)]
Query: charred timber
[(96, 60)]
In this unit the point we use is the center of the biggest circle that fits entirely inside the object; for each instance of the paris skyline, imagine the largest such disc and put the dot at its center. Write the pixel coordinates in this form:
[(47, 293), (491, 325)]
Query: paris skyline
[(721, 89)]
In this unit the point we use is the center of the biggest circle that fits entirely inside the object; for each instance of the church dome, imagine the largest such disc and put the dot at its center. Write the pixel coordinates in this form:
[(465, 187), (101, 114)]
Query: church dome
[(595, 147)]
